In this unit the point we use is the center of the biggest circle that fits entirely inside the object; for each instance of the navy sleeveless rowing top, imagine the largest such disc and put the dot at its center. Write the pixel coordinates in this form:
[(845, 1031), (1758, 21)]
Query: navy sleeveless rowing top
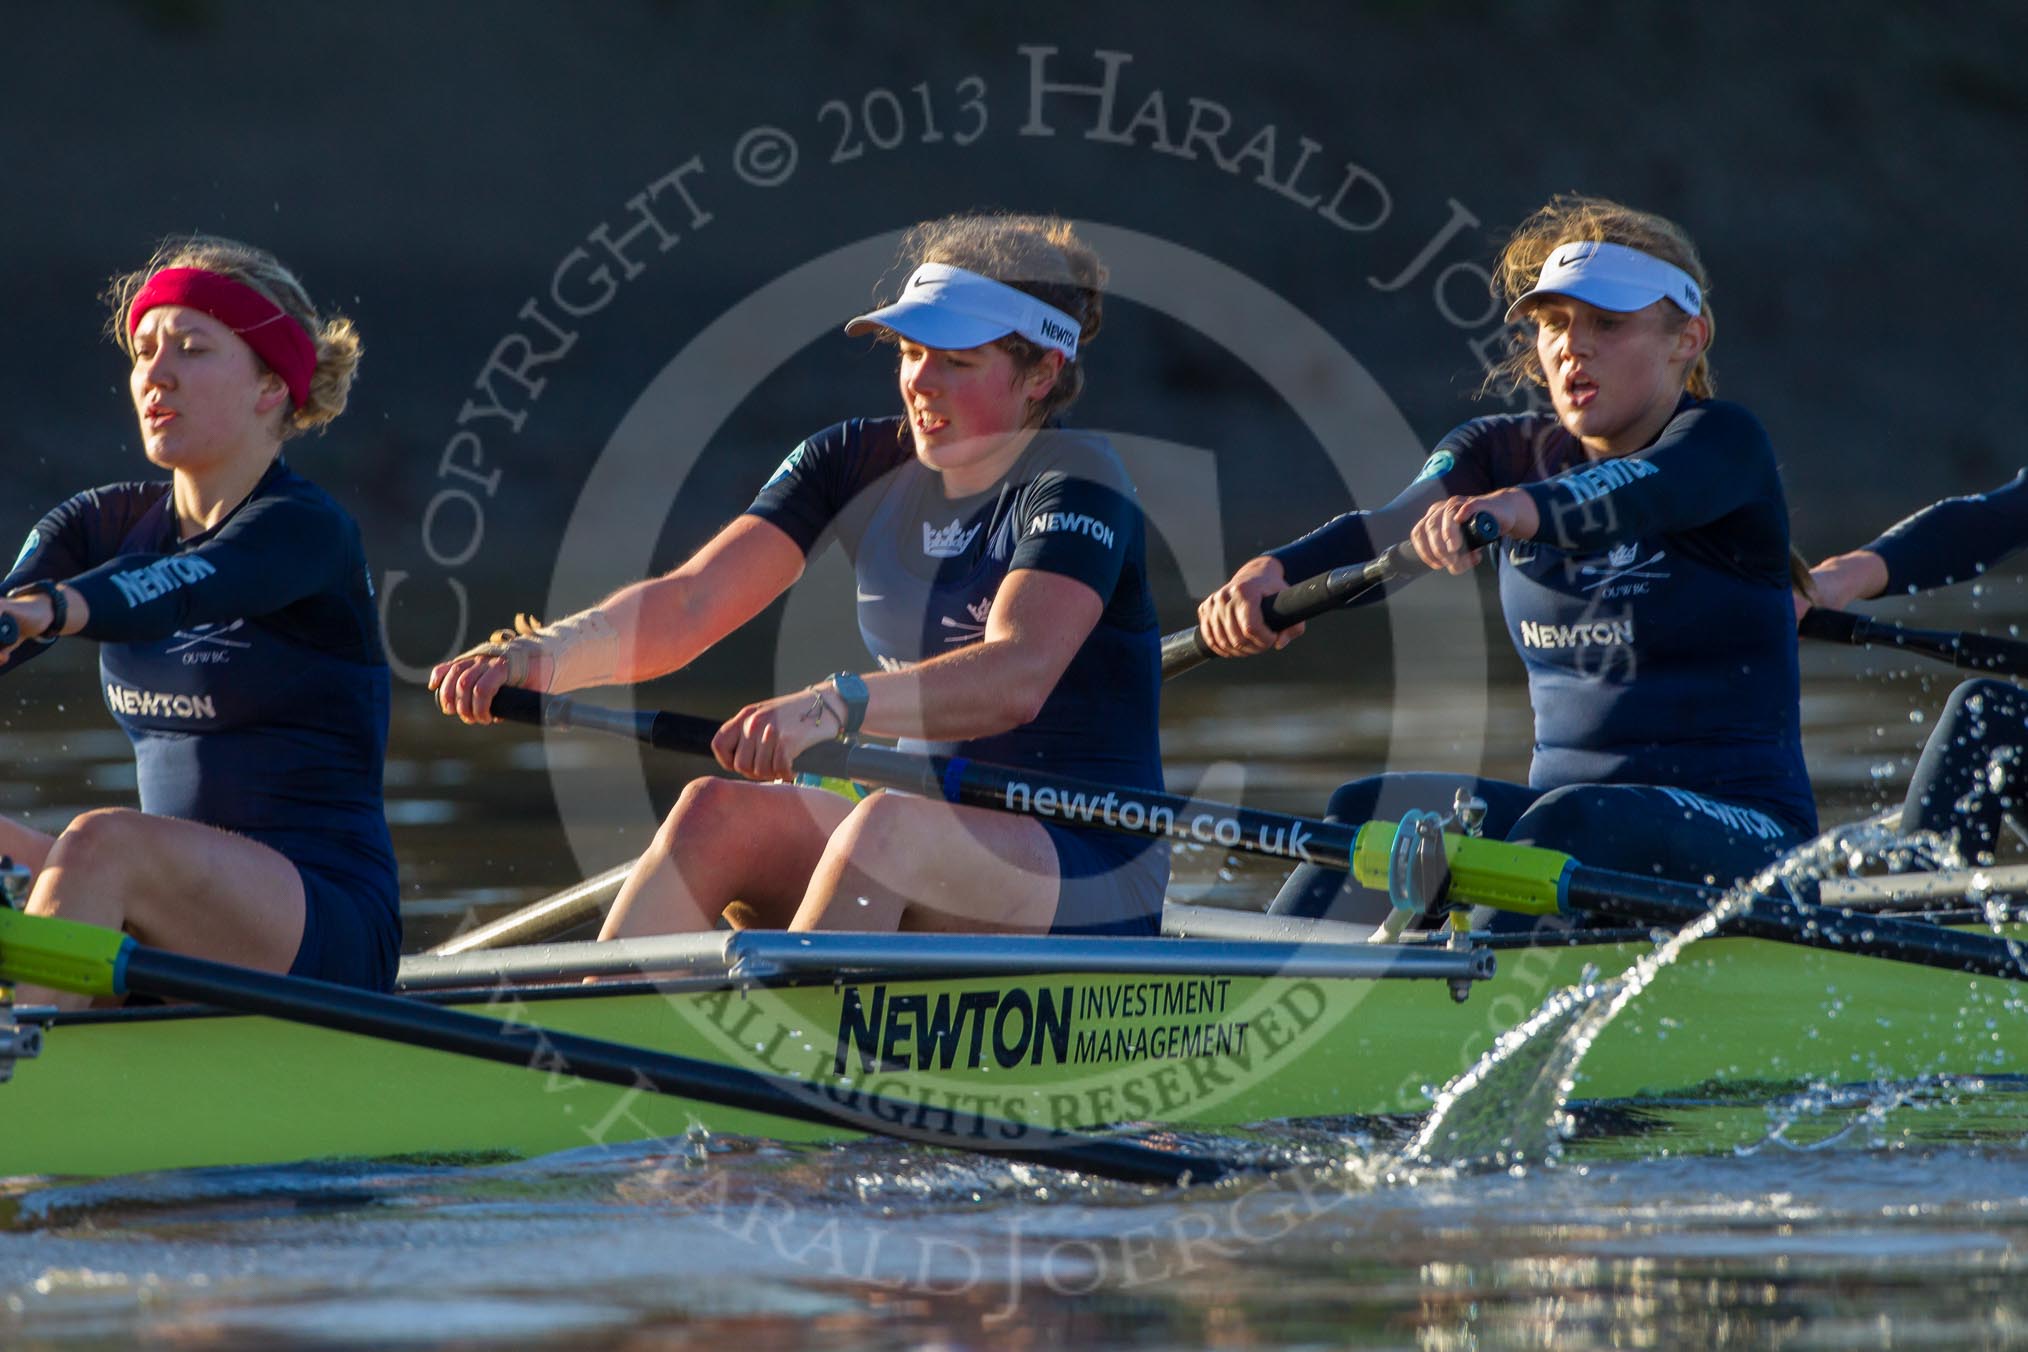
[(928, 567), (1651, 610), (1957, 539), (243, 663)]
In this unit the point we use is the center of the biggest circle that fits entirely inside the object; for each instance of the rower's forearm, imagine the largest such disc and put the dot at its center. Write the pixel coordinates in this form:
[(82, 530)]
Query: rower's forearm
[(77, 610), (665, 622), (1845, 578), (662, 627), (38, 613), (983, 689)]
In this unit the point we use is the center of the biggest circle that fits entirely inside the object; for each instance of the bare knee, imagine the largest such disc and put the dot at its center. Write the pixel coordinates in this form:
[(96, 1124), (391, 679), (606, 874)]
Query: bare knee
[(92, 867), (707, 809), (884, 835), (104, 841), (742, 835), (883, 820)]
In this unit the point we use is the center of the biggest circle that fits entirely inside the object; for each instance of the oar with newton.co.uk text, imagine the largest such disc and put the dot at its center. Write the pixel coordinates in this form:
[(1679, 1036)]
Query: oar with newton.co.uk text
[(1523, 879)]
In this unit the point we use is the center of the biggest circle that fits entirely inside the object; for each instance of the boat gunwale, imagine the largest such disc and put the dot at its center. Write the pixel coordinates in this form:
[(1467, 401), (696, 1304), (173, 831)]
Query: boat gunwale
[(569, 990)]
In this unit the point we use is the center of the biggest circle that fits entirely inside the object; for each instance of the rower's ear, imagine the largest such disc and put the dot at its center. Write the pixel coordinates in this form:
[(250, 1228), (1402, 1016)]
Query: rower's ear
[(273, 394), (1041, 378), (1693, 338)]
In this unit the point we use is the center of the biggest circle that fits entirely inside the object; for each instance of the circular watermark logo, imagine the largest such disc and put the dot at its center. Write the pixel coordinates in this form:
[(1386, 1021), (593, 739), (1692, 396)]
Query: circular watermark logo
[(1102, 1062), (1038, 1052)]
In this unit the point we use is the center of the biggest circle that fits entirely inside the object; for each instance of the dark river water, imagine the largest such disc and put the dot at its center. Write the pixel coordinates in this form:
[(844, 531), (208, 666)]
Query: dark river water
[(1878, 1216)]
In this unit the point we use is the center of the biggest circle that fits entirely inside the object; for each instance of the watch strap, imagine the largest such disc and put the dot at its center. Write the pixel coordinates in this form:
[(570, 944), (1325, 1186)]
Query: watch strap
[(59, 607), (851, 688)]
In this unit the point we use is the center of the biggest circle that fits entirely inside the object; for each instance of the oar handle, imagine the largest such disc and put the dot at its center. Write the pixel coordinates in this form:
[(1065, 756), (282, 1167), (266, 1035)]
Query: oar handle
[(1966, 651), (687, 733), (663, 730), (1312, 597)]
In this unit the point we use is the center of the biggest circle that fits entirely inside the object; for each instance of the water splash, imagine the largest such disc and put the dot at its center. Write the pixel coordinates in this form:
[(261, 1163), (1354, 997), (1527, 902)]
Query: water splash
[(1511, 1108)]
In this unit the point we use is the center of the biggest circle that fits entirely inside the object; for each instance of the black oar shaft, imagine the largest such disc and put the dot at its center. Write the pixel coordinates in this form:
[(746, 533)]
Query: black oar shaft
[(394, 1018), (1277, 835), (1966, 651), (1655, 901), (957, 779), (1186, 649)]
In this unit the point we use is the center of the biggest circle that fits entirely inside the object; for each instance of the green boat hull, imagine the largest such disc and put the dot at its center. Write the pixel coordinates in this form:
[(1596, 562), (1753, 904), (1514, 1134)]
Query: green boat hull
[(144, 1090)]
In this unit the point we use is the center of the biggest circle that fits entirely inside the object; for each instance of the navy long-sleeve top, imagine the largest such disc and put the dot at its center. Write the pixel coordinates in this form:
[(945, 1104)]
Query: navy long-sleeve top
[(1651, 610), (244, 663), (1956, 539)]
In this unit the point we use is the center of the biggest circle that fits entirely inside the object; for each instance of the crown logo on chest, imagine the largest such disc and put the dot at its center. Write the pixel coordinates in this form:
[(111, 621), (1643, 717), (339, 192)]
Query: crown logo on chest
[(949, 542)]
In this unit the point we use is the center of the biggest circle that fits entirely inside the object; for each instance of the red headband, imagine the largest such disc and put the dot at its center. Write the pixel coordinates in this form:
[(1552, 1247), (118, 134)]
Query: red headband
[(268, 329)]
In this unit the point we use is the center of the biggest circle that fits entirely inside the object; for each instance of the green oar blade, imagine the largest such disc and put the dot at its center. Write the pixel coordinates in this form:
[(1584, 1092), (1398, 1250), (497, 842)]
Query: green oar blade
[(62, 954)]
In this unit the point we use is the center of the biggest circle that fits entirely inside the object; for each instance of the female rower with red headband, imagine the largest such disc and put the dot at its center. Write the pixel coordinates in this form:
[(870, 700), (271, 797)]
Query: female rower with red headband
[(1003, 590), (238, 644), (1644, 573)]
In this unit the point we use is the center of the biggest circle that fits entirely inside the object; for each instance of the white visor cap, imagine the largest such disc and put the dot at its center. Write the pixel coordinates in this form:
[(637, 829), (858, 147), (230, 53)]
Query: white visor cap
[(950, 308), (1612, 277)]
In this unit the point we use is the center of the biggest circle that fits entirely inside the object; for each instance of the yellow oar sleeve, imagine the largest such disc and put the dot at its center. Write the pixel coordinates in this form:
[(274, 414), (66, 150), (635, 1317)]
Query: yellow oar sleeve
[(1523, 879), (64, 955)]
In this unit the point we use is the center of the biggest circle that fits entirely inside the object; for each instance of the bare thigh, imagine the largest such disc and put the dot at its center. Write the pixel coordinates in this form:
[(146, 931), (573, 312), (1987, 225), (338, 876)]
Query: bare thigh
[(727, 840), (177, 885), (903, 862)]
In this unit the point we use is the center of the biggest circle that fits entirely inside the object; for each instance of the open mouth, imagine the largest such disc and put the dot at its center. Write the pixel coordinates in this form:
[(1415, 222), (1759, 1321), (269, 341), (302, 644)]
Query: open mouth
[(929, 424), (1579, 390)]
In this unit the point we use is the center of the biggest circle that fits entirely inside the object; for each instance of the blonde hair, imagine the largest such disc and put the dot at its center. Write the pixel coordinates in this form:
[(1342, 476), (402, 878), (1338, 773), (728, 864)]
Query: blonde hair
[(1572, 219), (1040, 255), (338, 344)]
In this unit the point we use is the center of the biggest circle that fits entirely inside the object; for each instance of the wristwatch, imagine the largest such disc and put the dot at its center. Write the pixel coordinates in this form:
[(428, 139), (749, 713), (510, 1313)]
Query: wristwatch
[(852, 690), (59, 607)]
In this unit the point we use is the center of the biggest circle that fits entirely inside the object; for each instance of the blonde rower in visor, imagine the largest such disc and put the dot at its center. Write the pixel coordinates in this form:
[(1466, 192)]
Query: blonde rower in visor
[(1002, 593), (1644, 574)]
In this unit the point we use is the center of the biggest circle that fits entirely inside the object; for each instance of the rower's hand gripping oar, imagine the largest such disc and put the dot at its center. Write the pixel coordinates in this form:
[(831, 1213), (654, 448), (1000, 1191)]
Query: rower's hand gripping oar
[(1523, 879), (1185, 649), (1966, 651)]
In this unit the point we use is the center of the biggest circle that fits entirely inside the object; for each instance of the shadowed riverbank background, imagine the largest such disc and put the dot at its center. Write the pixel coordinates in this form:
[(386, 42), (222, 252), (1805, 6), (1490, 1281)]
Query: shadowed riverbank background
[(533, 212)]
